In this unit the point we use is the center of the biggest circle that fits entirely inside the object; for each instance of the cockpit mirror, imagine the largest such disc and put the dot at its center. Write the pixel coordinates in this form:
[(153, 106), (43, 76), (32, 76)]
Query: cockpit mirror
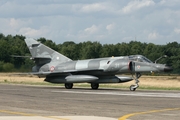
[(164, 56)]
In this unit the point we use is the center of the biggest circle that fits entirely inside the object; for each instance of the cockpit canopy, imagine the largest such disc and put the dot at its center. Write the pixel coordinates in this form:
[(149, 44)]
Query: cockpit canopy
[(139, 58)]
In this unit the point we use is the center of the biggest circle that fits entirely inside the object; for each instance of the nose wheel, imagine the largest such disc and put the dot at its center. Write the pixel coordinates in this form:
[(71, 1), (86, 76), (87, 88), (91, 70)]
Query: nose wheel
[(133, 87)]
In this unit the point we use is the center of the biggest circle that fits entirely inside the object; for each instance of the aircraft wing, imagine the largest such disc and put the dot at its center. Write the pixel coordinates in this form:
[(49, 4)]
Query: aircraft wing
[(77, 76), (61, 73)]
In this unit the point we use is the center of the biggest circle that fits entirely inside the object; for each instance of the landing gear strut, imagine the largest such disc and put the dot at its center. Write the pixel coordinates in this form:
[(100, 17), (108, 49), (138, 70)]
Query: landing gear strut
[(136, 77)]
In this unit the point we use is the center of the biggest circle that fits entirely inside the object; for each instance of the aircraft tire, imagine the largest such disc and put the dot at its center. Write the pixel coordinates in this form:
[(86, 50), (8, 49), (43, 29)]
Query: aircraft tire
[(94, 86), (68, 85), (132, 88)]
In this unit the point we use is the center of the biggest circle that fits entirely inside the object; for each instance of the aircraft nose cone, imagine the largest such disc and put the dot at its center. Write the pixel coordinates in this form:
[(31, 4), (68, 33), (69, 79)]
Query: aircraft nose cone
[(167, 68)]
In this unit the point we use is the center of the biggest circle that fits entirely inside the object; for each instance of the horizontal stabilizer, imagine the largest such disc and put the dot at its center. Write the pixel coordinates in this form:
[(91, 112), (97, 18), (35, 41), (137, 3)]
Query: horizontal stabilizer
[(39, 74), (18, 56)]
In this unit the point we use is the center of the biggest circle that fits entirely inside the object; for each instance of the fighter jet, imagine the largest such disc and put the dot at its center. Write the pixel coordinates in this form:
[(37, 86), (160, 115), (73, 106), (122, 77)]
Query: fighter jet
[(57, 68)]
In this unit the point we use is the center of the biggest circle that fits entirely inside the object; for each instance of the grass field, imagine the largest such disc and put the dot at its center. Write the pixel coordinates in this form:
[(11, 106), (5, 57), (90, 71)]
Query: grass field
[(146, 82)]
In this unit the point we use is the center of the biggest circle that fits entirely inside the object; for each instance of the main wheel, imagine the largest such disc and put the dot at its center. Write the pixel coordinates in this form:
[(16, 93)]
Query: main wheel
[(68, 85), (94, 86), (132, 88)]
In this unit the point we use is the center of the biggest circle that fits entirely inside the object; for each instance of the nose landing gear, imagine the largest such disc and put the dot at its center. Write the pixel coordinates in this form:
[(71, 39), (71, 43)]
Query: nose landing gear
[(136, 77)]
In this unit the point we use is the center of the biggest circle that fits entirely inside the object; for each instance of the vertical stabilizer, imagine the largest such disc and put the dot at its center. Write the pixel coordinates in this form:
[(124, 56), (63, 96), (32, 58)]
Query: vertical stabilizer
[(40, 51)]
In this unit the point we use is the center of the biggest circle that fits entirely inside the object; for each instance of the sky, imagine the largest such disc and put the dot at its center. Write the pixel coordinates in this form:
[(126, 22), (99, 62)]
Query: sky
[(105, 21)]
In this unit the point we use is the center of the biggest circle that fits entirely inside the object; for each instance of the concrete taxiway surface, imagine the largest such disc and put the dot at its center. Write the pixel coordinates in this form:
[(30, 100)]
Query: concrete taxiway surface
[(56, 103)]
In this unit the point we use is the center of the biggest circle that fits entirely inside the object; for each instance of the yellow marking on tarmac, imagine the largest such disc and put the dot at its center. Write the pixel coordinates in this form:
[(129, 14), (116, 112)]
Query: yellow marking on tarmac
[(146, 112), (16, 113), (27, 114), (56, 118)]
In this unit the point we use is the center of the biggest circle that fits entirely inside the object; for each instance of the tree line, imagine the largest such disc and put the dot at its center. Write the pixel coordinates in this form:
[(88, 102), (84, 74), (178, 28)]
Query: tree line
[(15, 45)]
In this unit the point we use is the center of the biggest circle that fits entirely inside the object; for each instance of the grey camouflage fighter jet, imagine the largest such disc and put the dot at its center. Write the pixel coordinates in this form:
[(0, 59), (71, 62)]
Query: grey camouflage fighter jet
[(57, 68)]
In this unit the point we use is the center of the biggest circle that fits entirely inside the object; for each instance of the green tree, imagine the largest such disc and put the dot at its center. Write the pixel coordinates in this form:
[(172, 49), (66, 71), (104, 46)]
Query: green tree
[(152, 51), (4, 51), (8, 67), (2, 36), (48, 43), (69, 49), (123, 49), (109, 50), (136, 47), (1, 66), (90, 50)]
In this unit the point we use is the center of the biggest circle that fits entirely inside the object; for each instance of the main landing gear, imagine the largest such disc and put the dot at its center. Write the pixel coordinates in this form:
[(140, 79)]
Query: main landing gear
[(68, 85), (136, 77), (94, 86)]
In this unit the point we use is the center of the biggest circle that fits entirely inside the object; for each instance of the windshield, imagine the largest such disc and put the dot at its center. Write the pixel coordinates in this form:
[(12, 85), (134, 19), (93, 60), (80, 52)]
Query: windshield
[(139, 58)]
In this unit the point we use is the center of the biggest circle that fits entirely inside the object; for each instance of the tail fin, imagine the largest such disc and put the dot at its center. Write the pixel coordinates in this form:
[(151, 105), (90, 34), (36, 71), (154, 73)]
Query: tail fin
[(43, 54)]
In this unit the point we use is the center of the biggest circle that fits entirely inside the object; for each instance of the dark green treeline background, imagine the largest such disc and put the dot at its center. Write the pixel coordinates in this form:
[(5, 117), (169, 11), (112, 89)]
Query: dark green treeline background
[(15, 45)]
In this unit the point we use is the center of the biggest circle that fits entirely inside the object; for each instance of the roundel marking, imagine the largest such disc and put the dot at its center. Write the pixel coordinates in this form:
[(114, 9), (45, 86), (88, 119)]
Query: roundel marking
[(52, 68), (138, 66)]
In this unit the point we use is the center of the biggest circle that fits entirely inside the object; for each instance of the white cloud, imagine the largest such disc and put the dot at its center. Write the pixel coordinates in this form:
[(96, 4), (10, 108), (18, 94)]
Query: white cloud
[(176, 30), (153, 36), (110, 26), (93, 7), (35, 33), (105, 7), (137, 4), (92, 29), (96, 20), (170, 3), (14, 23)]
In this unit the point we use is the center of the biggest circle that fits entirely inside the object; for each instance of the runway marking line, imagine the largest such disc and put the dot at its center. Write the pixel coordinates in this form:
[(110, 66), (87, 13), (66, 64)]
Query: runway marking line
[(27, 114), (146, 112), (141, 94)]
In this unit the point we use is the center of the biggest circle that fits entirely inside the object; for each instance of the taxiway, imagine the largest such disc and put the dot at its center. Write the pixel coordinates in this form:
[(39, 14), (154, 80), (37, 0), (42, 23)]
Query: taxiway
[(57, 103)]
